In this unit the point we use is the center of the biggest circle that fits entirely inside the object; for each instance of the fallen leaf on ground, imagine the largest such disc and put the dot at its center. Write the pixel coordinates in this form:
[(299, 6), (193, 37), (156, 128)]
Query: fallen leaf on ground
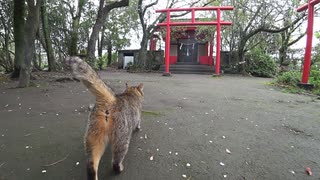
[(184, 176), (308, 170), (228, 151), (188, 165), (222, 164)]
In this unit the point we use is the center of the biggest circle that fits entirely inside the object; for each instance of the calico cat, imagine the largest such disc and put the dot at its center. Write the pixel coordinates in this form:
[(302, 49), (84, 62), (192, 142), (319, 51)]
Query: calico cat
[(111, 120)]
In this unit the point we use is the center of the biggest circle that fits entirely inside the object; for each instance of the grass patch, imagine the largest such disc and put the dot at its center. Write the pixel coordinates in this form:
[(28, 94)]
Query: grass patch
[(151, 113), (288, 81)]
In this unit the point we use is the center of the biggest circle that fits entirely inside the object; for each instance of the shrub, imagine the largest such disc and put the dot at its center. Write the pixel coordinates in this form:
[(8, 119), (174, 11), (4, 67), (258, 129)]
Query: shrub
[(290, 78), (260, 64)]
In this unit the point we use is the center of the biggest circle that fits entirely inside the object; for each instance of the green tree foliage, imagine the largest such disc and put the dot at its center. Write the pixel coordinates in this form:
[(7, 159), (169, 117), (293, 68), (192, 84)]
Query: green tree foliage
[(260, 64), (6, 36)]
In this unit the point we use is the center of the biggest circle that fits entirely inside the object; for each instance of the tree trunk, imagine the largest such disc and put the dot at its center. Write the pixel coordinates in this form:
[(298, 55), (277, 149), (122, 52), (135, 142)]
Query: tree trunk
[(142, 55), (109, 50), (101, 18), (101, 42), (73, 48), (46, 33), (18, 28), (30, 36)]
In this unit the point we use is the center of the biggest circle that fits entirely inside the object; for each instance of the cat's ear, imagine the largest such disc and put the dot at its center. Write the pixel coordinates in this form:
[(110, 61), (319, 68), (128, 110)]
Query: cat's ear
[(141, 87)]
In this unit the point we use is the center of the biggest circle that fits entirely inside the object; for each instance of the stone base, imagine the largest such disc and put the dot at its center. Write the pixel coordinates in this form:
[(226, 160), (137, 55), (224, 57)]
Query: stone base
[(216, 75), (166, 74), (306, 86)]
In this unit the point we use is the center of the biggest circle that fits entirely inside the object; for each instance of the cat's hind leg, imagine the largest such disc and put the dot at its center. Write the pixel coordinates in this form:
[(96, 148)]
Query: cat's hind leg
[(95, 146), (119, 151)]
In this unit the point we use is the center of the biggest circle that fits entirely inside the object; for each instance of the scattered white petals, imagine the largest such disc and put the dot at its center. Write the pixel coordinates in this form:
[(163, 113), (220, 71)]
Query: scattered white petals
[(228, 151), (151, 158), (30, 108), (170, 128), (273, 129), (206, 113), (246, 119), (165, 123), (184, 176), (184, 98), (76, 110), (292, 146), (292, 172), (28, 113), (210, 141), (44, 171), (6, 105), (57, 114), (19, 104), (175, 164), (170, 152), (212, 110), (77, 163), (139, 149), (248, 148), (188, 165), (225, 176), (222, 164), (206, 134), (145, 136), (256, 125), (157, 149), (223, 137), (28, 169), (176, 154), (9, 110), (141, 137), (2, 135), (27, 147)]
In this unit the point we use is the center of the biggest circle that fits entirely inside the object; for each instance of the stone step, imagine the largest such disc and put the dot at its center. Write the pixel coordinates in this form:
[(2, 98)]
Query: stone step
[(188, 69)]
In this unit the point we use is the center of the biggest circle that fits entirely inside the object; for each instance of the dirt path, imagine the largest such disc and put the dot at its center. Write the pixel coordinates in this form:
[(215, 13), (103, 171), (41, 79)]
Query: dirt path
[(188, 123)]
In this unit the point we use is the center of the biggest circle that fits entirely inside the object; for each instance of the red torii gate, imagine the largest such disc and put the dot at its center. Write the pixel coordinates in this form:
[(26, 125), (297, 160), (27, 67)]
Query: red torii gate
[(307, 57), (218, 23)]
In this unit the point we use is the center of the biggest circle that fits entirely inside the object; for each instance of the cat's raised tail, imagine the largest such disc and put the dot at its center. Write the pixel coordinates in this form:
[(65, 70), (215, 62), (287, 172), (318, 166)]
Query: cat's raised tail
[(82, 71)]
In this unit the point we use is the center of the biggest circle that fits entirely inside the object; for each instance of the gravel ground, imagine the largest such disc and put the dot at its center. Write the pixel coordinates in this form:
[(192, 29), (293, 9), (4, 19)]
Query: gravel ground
[(193, 127)]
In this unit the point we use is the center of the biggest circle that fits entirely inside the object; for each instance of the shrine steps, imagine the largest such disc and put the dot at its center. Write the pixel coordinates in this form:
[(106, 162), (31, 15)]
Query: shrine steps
[(188, 69)]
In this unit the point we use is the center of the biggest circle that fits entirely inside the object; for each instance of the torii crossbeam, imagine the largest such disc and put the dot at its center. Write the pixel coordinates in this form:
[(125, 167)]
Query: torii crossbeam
[(307, 57)]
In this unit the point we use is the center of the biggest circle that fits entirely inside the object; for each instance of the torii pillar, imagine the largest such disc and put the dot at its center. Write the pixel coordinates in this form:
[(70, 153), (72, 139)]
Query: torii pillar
[(307, 57)]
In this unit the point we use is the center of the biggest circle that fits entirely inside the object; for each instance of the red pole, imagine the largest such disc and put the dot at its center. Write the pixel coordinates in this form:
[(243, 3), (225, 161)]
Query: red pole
[(167, 49), (307, 56), (193, 16), (218, 44)]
